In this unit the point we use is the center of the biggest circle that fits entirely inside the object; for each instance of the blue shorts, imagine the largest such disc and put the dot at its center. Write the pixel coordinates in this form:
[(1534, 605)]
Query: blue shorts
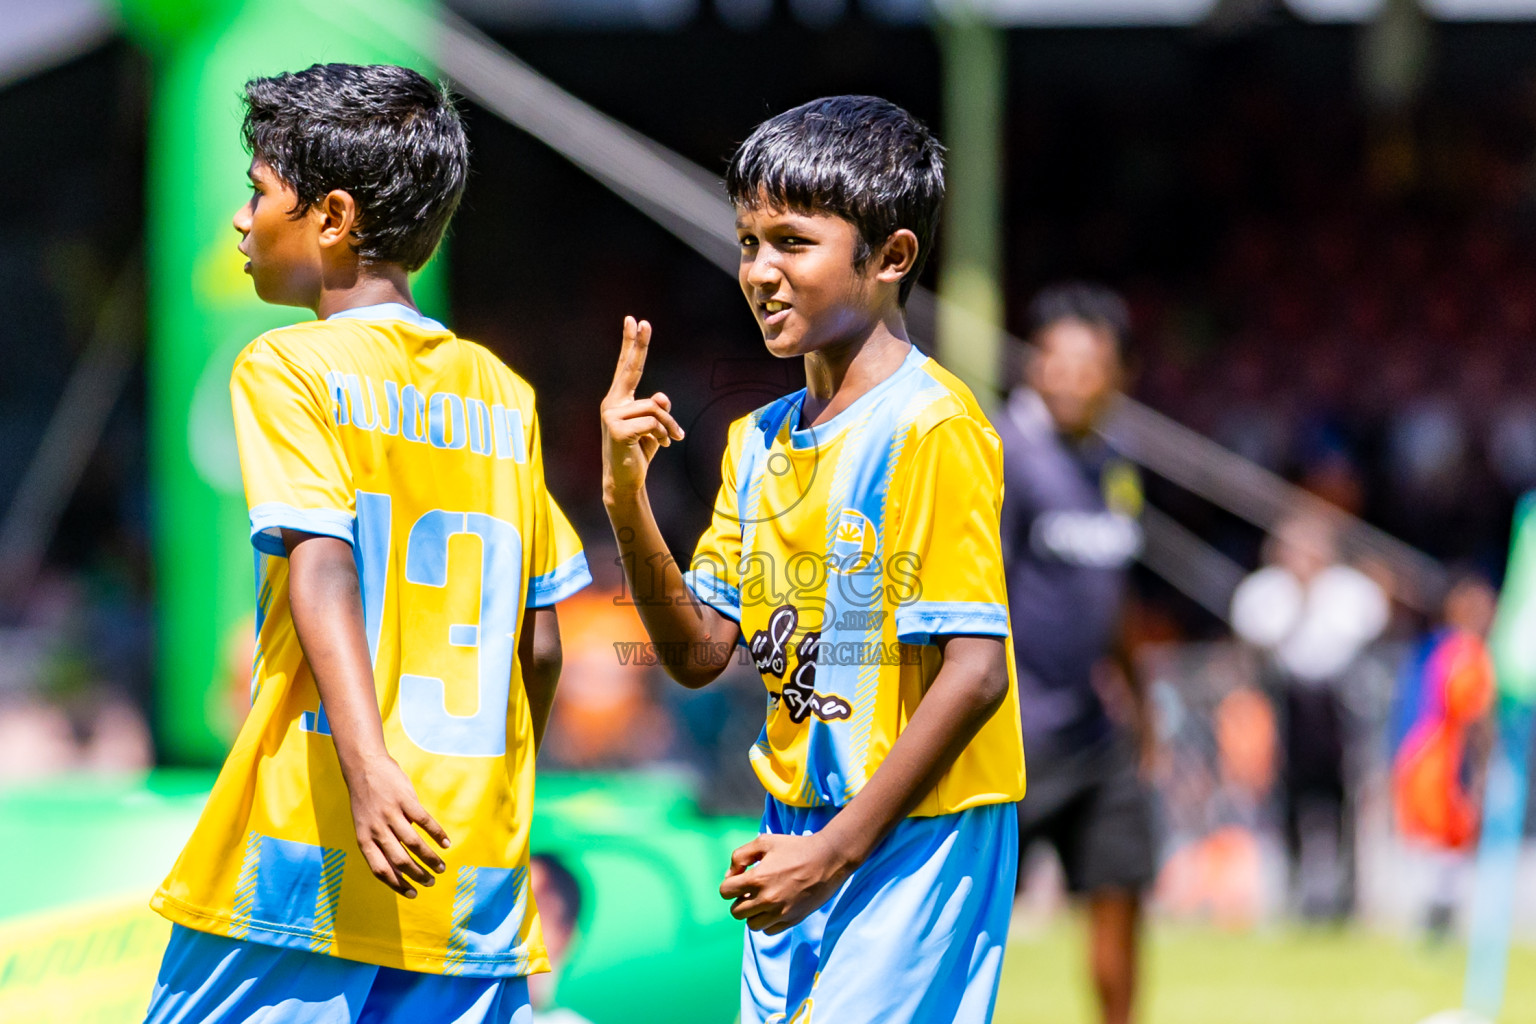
[(213, 979), (914, 936)]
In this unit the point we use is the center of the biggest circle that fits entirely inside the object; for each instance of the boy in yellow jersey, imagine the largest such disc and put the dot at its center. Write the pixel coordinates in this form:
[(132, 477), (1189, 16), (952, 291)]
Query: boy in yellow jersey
[(855, 552), (364, 853)]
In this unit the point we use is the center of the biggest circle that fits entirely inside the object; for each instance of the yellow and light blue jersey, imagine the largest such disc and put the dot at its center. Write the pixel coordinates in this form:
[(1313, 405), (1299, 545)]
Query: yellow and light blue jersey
[(843, 550), (381, 428)]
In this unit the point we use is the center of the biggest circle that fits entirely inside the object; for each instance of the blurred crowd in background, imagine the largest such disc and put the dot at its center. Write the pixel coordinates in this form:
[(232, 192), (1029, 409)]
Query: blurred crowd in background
[(1344, 295)]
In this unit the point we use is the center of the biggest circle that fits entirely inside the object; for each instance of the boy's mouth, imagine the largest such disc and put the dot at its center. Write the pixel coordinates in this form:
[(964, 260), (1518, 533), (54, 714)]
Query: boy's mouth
[(775, 312)]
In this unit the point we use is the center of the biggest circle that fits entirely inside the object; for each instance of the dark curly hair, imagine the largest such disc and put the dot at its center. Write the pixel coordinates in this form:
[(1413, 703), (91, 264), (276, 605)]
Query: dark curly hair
[(1093, 304), (386, 134), (860, 157)]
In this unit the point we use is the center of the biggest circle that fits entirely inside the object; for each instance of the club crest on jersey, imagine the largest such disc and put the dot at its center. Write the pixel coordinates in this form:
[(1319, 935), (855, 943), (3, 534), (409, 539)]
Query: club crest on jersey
[(770, 653), (854, 542)]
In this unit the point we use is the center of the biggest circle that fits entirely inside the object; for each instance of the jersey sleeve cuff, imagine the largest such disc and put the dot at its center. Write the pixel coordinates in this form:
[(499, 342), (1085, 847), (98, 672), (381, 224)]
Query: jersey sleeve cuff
[(559, 583), (920, 622), (270, 518), (715, 592)]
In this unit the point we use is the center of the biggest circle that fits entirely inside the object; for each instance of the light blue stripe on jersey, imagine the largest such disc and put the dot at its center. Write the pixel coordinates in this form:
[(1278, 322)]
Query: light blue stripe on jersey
[(764, 429), (921, 621), (914, 936), (560, 582), (704, 579), (713, 591), (270, 518)]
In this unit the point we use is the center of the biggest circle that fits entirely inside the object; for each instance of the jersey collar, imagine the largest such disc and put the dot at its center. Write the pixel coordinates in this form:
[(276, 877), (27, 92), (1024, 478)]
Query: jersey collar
[(810, 437), (388, 311)]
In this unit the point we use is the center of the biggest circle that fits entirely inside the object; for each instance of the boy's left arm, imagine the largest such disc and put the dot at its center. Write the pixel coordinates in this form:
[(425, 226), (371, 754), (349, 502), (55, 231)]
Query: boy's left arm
[(791, 876), (558, 570), (539, 652)]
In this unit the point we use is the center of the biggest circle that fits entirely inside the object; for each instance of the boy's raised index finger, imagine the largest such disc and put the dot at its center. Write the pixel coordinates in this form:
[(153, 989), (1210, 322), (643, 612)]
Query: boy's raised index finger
[(626, 376)]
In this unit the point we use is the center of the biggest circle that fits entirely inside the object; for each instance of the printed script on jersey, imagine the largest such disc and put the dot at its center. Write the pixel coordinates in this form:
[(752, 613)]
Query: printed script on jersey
[(441, 419)]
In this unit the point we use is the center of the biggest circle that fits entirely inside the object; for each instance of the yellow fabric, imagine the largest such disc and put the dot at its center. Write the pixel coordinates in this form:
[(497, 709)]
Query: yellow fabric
[(422, 450), (880, 530)]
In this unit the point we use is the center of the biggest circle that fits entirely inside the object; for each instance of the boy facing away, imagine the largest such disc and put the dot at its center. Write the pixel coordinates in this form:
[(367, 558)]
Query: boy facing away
[(408, 557), (855, 551)]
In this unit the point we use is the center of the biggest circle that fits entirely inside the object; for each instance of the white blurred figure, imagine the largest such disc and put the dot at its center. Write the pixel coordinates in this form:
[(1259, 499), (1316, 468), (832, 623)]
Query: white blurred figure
[(36, 741), (1313, 616)]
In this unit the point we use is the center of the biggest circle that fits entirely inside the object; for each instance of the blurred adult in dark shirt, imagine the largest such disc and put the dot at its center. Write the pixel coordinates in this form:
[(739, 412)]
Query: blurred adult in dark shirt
[(1070, 535)]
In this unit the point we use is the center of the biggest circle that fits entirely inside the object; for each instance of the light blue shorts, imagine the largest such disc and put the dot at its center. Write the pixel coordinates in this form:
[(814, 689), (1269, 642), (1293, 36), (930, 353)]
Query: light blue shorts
[(209, 979), (914, 936)]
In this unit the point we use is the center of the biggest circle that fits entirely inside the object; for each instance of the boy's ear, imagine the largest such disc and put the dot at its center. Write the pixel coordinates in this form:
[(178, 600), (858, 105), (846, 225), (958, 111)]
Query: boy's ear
[(897, 256), (338, 216)]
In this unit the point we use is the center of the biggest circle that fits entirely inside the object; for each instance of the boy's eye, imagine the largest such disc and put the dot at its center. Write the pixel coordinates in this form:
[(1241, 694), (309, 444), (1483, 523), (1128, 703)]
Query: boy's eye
[(747, 240)]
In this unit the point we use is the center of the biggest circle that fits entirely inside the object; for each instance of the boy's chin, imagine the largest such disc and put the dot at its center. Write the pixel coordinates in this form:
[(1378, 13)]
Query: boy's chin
[(784, 344), (267, 290), (274, 294)]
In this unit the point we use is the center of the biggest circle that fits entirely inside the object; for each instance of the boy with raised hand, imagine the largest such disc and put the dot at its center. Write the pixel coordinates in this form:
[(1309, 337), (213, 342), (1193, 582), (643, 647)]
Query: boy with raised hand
[(855, 550), (408, 557)]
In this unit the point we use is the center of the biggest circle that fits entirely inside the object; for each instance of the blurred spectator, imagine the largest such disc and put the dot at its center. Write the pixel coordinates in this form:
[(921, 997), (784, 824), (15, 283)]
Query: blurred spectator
[(1219, 874), (1512, 444), (558, 897), (68, 699), (1070, 534), (1440, 738), (1312, 617), (35, 741)]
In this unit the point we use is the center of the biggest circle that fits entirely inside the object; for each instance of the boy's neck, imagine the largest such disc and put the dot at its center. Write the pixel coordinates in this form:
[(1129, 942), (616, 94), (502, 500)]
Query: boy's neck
[(839, 374), (354, 287)]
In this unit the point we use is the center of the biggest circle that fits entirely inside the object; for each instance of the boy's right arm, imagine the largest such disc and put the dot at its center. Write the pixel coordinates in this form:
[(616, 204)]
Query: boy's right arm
[(327, 606), (694, 641)]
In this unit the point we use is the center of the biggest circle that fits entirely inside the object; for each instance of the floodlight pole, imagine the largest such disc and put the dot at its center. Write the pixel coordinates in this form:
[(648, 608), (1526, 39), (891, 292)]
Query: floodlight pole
[(202, 311), (970, 319)]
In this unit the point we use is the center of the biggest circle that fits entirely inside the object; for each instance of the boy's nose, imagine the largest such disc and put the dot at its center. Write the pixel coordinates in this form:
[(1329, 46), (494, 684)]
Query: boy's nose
[(763, 272)]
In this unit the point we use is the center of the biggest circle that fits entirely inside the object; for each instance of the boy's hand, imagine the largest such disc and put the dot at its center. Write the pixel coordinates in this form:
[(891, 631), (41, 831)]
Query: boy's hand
[(779, 881), (385, 813), (633, 428)]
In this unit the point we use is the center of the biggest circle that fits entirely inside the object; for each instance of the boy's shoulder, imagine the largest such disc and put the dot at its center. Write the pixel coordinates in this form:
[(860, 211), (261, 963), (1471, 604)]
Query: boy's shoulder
[(314, 345), (310, 345), (947, 400)]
